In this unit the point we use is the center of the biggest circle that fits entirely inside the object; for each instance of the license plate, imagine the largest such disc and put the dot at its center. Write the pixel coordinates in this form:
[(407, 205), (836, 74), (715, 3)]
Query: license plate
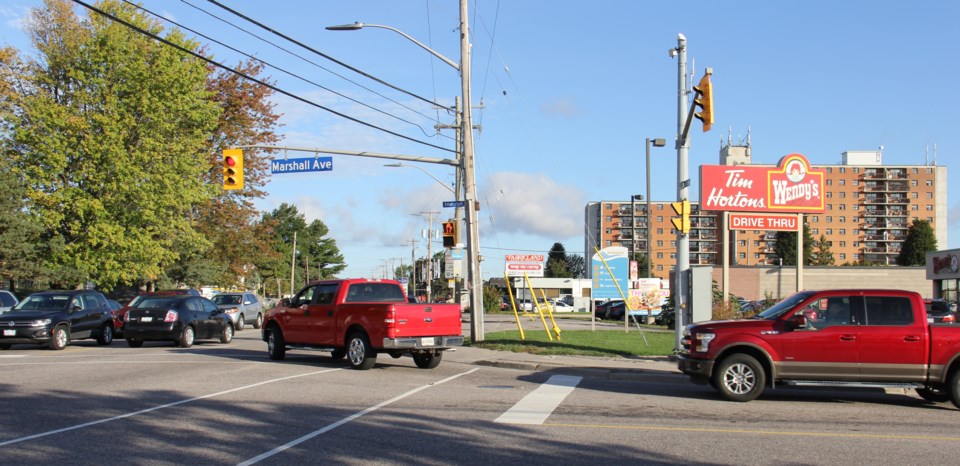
[(428, 341), (9, 333), (146, 319)]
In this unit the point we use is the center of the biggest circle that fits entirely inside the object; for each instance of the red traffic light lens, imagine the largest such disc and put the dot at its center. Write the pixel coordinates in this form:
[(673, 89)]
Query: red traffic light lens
[(229, 161)]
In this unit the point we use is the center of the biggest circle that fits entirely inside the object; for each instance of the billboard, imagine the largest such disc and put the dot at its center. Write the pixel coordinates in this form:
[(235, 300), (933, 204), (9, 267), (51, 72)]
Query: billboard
[(605, 283), (791, 186), (517, 265)]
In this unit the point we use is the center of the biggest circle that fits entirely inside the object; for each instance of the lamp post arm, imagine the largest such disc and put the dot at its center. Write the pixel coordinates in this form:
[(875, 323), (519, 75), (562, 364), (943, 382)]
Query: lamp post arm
[(415, 41), (398, 165)]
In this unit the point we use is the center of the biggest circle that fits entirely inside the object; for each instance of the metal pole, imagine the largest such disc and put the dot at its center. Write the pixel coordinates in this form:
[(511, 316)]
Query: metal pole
[(649, 257), (683, 242), (469, 185), (633, 227)]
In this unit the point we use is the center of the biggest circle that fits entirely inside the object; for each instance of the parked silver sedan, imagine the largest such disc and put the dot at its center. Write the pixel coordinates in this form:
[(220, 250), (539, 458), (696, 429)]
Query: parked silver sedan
[(243, 308)]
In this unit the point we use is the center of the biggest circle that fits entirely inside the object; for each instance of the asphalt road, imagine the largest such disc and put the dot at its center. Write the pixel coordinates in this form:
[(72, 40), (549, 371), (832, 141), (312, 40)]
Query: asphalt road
[(229, 404)]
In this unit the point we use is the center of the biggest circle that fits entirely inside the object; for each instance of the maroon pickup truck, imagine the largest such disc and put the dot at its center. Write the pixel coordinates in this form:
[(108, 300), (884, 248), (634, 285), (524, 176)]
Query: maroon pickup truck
[(838, 338), (360, 318)]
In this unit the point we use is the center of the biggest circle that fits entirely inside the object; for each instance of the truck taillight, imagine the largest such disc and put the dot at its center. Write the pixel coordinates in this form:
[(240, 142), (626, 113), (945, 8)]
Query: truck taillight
[(391, 322)]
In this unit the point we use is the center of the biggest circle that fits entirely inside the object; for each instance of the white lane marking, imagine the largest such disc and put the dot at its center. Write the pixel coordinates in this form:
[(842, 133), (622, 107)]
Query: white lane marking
[(534, 408), (347, 419), (13, 356), (156, 408)]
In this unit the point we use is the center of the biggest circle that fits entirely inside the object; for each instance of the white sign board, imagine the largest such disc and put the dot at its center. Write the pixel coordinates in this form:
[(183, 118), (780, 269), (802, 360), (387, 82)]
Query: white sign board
[(517, 265)]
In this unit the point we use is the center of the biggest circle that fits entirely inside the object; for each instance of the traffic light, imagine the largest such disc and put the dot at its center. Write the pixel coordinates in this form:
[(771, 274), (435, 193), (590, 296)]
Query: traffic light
[(451, 234), (233, 169), (704, 100), (682, 209)]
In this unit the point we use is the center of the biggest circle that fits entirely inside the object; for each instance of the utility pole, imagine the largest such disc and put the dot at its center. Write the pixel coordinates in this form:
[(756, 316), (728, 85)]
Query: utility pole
[(293, 261), (413, 267), (682, 269), (429, 215)]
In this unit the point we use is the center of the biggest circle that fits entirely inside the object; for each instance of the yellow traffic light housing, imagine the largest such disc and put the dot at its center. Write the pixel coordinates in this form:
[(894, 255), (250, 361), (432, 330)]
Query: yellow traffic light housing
[(704, 100), (233, 169), (682, 209)]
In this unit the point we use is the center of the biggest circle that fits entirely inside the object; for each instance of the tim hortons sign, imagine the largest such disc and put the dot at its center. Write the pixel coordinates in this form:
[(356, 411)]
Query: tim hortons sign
[(791, 186)]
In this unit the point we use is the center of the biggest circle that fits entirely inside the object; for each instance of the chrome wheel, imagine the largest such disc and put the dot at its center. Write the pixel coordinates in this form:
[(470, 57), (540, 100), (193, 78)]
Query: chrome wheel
[(359, 353), (739, 379), (186, 338), (59, 338)]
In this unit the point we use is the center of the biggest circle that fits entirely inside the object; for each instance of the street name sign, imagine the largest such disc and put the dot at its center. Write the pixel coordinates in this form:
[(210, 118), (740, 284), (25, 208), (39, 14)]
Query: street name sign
[(453, 203), (307, 164)]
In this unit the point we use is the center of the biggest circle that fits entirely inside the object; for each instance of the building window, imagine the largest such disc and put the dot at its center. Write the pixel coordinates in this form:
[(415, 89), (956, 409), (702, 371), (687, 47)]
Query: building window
[(928, 182), (856, 232), (843, 256), (829, 206), (608, 206), (856, 244), (914, 170), (914, 207), (856, 207), (660, 218), (608, 218), (673, 255), (842, 219), (856, 169), (856, 257), (659, 268), (608, 243), (659, 206), (843, 244), (856, 182), (742, 242), (829, 194), (843, 182), (829, 219), (929, 171), (743, 255), (929, 195), (815, 231), (607, 231), (843, 231), (829, 231), (673, 244), (913, 182), (829, 182), (815, 218), (843, 194), (930, 220), (829, 169), (841, 206), (929, 207), (659, 231), (659, 255), (843, 170)]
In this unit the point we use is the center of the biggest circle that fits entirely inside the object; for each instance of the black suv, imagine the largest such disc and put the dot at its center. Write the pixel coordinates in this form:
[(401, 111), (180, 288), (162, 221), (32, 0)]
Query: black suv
[(54, 318)]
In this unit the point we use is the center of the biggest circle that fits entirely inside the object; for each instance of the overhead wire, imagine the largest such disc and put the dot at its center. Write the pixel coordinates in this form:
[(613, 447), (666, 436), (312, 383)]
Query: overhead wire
[(290, 73), (311, 49), (251, 78)]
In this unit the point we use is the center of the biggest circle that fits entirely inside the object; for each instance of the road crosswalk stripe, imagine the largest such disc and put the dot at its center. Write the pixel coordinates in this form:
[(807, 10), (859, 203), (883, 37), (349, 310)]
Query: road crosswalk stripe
[(534, 408)]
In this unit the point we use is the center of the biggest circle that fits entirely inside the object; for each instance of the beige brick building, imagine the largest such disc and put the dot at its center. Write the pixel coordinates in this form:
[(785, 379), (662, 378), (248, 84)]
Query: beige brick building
[(869, 207)]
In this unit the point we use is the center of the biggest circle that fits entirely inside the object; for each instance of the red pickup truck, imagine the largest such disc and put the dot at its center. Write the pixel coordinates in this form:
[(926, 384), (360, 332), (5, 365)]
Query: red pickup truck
[(359, 318), (839, 338)]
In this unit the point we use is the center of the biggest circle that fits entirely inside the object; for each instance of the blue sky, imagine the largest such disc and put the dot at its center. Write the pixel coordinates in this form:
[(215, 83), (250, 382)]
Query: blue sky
[(569, 92)]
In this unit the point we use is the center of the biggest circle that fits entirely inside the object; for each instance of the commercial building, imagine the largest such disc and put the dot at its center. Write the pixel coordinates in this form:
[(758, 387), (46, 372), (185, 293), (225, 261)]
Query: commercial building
[(869, 207)]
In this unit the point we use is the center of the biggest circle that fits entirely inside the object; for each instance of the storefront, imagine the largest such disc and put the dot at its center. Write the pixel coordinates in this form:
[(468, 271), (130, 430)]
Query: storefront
[(943, 268)]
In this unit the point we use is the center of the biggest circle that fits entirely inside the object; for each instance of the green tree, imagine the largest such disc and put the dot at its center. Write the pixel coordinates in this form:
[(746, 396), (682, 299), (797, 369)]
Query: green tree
[(316, 255), (919, 241), (111, 133), (576, 266), (556, 266), (786, 246), (821, 254)]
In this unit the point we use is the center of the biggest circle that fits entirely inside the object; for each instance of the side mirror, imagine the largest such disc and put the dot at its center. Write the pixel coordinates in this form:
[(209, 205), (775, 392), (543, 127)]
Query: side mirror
[(285, 302), (798, 321)]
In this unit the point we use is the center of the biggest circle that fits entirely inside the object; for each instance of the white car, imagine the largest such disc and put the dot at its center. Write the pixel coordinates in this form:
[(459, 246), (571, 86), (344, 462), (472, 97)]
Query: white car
[(7, 301)]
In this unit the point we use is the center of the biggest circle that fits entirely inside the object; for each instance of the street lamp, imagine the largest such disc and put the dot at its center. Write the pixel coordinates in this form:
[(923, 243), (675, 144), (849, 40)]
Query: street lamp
[(467, 164), (398, 165), (658, 142), (633, 224)]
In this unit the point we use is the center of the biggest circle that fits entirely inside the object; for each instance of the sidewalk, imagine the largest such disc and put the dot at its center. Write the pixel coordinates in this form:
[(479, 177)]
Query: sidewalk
[(656, 368)]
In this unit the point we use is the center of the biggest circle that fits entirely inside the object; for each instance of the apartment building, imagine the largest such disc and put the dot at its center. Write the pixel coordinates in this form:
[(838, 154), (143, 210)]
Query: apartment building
[(869, 207)]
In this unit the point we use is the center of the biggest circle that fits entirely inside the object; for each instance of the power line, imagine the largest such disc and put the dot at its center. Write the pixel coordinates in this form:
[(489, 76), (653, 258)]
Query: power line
[(328, 57), (274, 66), (251, 78), (301, 57)]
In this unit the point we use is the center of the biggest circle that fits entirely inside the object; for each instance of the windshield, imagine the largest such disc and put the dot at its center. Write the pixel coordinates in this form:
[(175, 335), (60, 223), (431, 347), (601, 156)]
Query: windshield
[(44, 302), (227, 299), (784, 306)]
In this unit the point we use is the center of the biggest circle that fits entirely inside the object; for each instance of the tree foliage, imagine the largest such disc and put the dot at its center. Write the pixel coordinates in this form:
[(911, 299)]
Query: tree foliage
[(316, 256), (786, 246), (821, 254), (111, 132), (556, 266), (919, 241)]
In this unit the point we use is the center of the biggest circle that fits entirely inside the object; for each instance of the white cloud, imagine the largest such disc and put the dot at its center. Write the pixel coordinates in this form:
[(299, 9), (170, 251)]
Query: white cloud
[(564, 106), (534, 204)]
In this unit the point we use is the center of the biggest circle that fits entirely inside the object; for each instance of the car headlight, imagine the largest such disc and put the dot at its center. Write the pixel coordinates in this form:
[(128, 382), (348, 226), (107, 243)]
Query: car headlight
[(41, 323), (704, 339)]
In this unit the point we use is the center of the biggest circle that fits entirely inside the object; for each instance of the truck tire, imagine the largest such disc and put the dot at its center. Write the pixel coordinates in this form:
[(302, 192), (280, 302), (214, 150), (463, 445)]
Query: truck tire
[(134, 342), (934, 394), (955, 388), (186, 337), (427, 360), (59, 338), (106, 335), (276, 347), (361, 356), (739, 377)]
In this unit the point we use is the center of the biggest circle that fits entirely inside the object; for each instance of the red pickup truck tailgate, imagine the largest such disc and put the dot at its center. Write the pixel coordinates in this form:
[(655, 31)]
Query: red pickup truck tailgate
[(428, 320)]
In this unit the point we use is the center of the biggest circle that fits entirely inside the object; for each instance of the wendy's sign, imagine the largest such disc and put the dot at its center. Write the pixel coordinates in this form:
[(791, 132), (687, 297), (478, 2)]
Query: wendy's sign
[(790, 187)]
